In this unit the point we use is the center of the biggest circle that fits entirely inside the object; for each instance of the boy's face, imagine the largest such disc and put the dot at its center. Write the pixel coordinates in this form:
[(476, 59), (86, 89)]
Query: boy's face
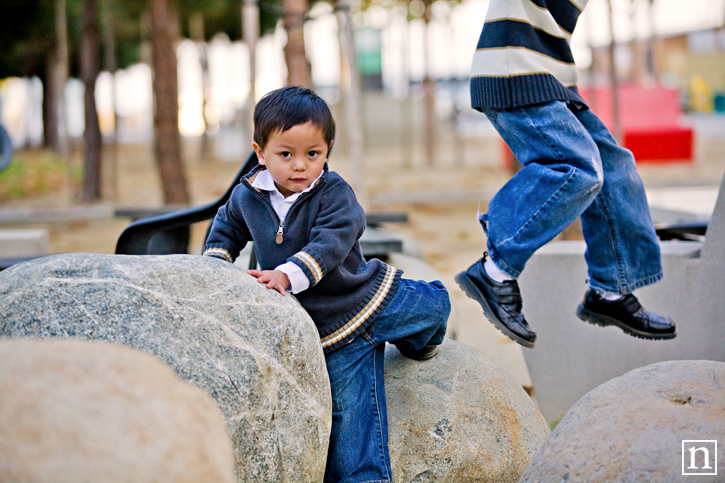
[(294, 158)]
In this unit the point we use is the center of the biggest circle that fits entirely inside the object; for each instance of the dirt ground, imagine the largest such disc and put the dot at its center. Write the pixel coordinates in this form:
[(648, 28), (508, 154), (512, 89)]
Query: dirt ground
[(441, 202)]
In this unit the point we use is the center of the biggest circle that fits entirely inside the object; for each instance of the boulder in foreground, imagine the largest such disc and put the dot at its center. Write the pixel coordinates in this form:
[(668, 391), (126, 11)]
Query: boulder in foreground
[(632, 427), (89, 411), (458, 418), (255, 352)]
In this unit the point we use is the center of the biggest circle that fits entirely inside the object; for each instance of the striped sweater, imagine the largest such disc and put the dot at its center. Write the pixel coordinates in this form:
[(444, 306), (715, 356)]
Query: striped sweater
[(524, 56), (320, 234)]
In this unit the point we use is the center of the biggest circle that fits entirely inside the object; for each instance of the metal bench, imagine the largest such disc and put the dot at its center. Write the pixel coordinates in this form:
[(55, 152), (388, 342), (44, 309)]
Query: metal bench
[(165, 230), (694, 231)]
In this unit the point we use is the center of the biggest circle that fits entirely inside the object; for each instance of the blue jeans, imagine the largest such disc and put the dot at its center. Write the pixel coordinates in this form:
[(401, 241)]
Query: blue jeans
[(572, 167), (418, 313)]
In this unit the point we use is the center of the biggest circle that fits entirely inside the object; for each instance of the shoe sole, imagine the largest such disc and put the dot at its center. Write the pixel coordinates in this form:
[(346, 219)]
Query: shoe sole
[(419, 358), (470, 289), (605, 321)]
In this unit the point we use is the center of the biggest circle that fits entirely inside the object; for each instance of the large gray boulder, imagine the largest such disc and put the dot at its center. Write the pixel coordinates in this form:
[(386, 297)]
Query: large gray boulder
[(458, 418), (73, 411), (256, 352), (632, 428)]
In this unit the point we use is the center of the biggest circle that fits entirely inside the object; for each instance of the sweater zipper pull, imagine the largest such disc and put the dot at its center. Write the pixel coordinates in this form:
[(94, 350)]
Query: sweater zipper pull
[(280, 231)]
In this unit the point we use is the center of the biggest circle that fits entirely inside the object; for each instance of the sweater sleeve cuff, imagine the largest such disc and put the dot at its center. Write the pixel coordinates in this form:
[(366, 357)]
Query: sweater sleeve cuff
[(218, 252), (312, 267)]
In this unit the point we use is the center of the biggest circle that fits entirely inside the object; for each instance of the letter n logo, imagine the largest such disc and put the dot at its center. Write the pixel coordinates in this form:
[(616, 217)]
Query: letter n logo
[(699, 457)]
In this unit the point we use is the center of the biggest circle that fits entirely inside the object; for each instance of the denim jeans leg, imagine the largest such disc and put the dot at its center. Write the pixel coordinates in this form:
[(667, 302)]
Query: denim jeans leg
[(623, 252), (560, 177), (358, 450), (418, 314)]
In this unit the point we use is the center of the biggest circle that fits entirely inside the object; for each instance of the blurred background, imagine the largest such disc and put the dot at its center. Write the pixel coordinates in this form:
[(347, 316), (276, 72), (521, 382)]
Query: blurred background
[(115, 109), (83, 79)]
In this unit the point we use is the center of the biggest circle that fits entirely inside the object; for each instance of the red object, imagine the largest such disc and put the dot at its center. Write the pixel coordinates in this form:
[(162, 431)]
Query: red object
[(650, 120), (506, 155), (660, 145)]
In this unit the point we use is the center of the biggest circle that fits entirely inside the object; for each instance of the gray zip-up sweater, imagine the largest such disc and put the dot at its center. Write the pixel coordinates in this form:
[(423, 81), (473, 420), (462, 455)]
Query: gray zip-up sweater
[(320, 235)]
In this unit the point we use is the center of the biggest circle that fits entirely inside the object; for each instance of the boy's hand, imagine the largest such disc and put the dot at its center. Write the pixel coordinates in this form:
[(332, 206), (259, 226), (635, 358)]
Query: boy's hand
[(274, 279)]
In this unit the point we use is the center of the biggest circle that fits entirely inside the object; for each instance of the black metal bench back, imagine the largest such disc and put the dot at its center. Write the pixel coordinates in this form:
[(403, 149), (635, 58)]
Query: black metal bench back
[(169, 233)]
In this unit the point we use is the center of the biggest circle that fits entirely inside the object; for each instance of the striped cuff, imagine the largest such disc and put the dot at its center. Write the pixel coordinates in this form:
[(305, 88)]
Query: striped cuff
[(219, 253), (311, 264)]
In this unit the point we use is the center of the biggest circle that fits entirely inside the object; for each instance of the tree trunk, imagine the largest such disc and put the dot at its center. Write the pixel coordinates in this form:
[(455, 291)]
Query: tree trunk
[(298, 69), (429, 88), (166, 117), (90, 67), (51, 108), (55, 78), (196, 32), (351, 91), (250, 36), (109, 64)]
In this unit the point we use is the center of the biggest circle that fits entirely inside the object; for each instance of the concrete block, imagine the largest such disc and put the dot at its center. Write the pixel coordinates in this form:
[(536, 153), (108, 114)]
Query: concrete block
[(572, 357), (23, 243)]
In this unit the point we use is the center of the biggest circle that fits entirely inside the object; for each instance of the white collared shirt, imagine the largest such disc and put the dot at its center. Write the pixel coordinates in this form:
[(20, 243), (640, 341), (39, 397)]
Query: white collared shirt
[(281, 205)]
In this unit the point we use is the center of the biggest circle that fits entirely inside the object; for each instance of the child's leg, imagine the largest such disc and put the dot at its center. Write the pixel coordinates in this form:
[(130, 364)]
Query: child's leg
[(561, 176), (623, 252), (417, 314), (359, 438)]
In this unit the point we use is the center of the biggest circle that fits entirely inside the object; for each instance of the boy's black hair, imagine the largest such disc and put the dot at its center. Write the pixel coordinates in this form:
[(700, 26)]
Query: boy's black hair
[(287, 107)]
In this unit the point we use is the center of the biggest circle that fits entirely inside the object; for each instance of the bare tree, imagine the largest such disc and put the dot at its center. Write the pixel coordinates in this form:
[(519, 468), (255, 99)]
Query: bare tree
[(351, 90), (90, 68), (196, 31), (298, 68), (429, 88), (53, 127), (250, 32), (166, 116), (109, 64)]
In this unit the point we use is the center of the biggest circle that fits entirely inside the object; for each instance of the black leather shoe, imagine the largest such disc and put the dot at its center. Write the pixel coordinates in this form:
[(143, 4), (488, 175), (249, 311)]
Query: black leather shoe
[(501, 302), (428, 351), (627, 314)]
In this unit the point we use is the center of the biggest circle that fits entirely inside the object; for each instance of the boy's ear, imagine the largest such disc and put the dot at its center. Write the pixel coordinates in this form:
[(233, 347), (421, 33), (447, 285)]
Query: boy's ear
[(258, 151)]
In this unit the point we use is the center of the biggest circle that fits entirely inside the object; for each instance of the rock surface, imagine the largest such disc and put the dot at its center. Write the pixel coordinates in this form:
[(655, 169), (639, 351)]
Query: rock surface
[(256, 352), (458, 418), (93, 411), (632, 427)]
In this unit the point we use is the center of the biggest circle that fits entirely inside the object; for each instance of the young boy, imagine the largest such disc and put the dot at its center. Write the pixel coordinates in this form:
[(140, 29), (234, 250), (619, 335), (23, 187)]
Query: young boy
[(524, 79), (306, 223)]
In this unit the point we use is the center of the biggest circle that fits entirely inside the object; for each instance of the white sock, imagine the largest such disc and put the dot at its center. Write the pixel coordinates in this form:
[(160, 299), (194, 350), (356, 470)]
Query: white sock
[(609, 296), (496, 273)]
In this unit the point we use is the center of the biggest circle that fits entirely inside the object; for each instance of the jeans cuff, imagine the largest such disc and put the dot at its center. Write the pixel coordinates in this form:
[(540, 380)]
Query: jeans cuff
[(501, 264), (627, 288)]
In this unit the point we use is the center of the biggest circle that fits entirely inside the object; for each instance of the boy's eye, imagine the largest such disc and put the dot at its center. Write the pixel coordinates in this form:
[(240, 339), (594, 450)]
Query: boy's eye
[(285, 154), (312, 154)]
